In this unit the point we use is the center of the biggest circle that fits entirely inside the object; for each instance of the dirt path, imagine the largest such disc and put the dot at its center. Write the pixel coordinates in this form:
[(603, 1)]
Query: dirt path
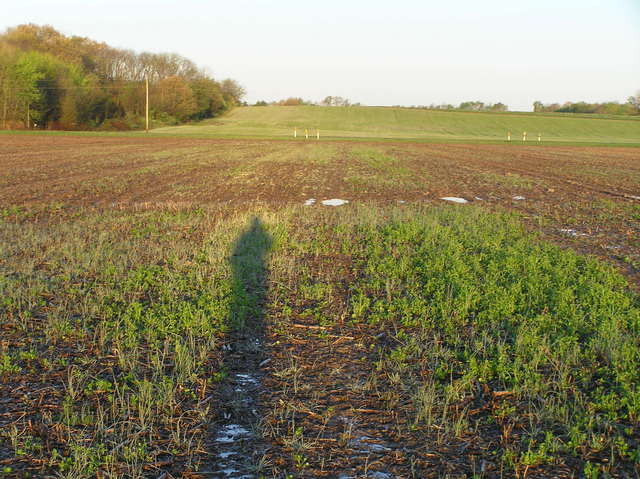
[(235, 442), (328, 420)]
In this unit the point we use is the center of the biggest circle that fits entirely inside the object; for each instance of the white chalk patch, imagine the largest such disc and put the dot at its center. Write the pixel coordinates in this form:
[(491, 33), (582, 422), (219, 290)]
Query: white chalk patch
[(231, 433), (477, 198), (571, 232), (380, 475), (310, 202), (369, 448), (229, 471), (519, 198), (365, 445), (454, 199), (402, 202), (378, 448), (633, 197), (246, 379), (334, 202)]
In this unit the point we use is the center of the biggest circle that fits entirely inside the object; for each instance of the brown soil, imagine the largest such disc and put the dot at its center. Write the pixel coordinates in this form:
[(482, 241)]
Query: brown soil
[(324, 412), (591, 191)]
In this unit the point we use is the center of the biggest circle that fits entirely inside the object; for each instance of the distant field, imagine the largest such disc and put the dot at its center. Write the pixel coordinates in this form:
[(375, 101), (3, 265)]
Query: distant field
[(404, 123)]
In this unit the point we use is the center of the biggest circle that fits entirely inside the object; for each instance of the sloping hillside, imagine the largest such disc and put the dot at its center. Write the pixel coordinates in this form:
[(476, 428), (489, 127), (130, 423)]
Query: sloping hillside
[(405, 123)]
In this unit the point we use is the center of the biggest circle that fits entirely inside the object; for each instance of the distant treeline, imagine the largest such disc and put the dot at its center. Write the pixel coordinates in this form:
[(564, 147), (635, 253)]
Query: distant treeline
[(340, 101), (631, 107), (49, 80), (292, 101), (467, 106), (296, 101)]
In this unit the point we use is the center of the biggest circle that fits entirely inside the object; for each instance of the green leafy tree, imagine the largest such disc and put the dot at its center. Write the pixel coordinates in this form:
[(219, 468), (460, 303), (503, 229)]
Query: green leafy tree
[(174, 97), (232, 92), (74, 82), (27, 77), (634, 103), (472, 106), (208, 98), (498, 107)]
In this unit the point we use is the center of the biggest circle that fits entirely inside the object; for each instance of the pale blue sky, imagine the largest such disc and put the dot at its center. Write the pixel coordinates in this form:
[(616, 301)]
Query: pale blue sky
[(377, 52)]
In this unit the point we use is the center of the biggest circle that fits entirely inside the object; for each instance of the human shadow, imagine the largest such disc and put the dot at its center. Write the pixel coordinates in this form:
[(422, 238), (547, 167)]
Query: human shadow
[(237, 441), (249, 269)]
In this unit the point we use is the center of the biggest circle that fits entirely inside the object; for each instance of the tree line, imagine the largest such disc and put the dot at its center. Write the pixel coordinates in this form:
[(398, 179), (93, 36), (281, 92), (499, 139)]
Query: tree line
[(464, 106), (52, 81), (631, 107), (345, 102), (297, 101)]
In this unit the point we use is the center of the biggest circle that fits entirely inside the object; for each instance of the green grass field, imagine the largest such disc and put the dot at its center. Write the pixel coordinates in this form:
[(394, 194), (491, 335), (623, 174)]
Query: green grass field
[(126, 315), (405, 123)]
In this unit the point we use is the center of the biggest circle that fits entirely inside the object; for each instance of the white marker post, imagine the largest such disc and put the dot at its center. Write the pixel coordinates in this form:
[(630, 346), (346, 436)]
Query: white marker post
[(306, 134), (509, 136), (524, 136), (317, 134), (539, 137), (295, 133)]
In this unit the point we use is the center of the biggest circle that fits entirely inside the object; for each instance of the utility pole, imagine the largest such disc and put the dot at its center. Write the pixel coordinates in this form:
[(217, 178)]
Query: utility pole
[(28, 116), (147, 105), (4, 108)]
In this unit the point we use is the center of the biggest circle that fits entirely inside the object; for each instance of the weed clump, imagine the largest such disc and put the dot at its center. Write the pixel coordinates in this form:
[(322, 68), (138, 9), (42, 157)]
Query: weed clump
[(494, 329)]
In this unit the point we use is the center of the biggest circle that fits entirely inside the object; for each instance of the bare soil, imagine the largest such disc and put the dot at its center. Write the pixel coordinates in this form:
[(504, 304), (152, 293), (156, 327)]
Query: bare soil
[(317, 378), (583, 197)]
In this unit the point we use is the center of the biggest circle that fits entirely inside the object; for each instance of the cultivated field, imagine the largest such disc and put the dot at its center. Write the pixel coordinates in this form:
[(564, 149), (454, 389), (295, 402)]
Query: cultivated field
[(172, 308), (404, 123)]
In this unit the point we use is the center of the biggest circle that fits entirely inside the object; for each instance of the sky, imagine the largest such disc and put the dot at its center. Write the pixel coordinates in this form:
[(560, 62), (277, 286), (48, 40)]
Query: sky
[(377, 52)]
